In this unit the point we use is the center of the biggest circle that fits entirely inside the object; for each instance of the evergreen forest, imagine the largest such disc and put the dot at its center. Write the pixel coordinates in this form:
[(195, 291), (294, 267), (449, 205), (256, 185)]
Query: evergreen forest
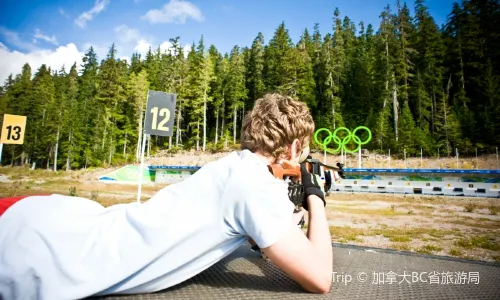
[(414, 83)]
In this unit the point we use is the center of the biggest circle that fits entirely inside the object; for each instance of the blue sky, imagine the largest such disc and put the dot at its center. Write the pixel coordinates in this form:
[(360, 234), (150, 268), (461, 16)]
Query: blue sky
[(58, 32)]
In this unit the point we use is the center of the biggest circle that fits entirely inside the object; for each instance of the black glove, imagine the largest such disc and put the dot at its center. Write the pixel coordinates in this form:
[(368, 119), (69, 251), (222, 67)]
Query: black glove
[(312, 186)]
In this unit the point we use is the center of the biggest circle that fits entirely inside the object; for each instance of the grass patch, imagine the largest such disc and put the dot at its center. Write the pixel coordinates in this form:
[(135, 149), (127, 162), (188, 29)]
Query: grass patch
[(483, 224), (366, 211), (496, 258), (398, 235), (429, 249), (478, 242), (494, 210), (470, 207), (400, 239), (346, 233), (400, 246), (456, 252), (94, 195)]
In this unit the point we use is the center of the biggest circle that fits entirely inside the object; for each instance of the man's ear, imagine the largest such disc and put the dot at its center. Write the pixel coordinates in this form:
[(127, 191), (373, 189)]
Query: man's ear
[(295, 150)]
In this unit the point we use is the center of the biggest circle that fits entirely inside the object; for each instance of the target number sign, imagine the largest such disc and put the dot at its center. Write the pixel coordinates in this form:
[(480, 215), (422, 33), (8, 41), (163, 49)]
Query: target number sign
[(160, 111), (13, 129)]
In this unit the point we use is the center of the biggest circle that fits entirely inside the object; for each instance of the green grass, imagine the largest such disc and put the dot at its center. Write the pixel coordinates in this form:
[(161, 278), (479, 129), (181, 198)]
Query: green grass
[(400, 246), (456, 252), (478, 242), (494, 210), (400, 239), (476, 223), (470, 207), (429, 249), (366, 211), (399, 235)]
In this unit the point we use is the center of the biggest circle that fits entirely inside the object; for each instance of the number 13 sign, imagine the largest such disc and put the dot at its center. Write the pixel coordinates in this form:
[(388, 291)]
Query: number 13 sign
[(160, 111), (13, 129)]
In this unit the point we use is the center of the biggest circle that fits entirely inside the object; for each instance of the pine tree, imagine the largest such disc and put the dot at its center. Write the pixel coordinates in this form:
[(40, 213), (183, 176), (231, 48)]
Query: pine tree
[(236, 91), (406, 129), (137, 89), (87, 105), (207, 76), (255, 70)]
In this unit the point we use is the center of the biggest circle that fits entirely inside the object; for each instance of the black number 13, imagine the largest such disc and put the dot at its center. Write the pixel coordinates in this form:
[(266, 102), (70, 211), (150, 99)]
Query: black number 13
[(17, 133)]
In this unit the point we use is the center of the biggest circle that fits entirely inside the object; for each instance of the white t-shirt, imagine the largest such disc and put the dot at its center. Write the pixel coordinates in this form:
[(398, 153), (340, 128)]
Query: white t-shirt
[(60, 247)]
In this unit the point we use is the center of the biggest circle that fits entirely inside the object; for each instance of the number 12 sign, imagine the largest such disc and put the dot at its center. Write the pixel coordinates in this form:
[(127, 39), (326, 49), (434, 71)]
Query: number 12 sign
[(13, 129), (160, 111)]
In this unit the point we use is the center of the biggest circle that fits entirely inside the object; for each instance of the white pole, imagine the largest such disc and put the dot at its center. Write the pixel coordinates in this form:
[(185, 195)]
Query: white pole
[(359, 158), (438, 160), (141, 167), (324, 156), (1, 149), (405, 158), (342, 155), (498, 163), (389, 158), (421, 161), (456, 152), (476, 158)]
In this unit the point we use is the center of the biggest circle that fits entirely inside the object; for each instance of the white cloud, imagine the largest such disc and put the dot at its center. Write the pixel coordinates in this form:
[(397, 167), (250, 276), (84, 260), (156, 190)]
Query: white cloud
[(86, 16), (12, 38), (40, 36), (2, 46), (142, 47), (13, 61), (176, 11), (187, 49), (63, 13), (100, 50), (127, 35)]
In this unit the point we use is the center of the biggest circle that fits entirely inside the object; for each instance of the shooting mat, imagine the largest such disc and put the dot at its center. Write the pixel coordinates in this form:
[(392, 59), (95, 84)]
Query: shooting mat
[(245, 275)]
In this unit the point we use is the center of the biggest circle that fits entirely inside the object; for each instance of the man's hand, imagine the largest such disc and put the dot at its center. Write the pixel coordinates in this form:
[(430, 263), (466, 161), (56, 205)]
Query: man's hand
[(312, 186)]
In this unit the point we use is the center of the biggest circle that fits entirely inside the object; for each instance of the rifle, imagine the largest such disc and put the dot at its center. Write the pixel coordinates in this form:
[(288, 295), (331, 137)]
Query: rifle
[(290, 172)]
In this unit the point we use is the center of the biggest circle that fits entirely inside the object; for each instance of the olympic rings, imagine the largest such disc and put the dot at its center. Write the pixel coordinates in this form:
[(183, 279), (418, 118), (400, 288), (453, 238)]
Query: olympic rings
[(344, 141)]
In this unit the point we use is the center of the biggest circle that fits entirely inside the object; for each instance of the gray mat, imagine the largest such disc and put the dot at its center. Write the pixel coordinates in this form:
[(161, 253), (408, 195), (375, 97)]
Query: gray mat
[(361, 273)]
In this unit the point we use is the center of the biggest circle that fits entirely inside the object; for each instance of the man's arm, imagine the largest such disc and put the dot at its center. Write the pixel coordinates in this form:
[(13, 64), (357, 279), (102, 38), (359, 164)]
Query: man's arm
[(307, 260)]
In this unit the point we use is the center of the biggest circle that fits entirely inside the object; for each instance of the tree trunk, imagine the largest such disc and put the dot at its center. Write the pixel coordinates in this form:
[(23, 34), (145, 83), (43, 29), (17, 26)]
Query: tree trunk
[(104, 135), (395, 106), (216, 126), (333, 114), (48, 158), (198, 135), (223, 116), (68, 159), (56, 149), (139, 138), (234, 125), (110, 150), (204, 119), (433, 113), (178, 131), (125, 146)]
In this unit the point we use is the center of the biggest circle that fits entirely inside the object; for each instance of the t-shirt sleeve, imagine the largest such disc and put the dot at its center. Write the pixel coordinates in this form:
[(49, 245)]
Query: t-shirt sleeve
[(265, 213)]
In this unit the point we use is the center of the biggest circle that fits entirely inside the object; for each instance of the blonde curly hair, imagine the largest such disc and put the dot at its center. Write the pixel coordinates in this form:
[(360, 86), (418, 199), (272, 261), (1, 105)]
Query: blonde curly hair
[(274, 123)]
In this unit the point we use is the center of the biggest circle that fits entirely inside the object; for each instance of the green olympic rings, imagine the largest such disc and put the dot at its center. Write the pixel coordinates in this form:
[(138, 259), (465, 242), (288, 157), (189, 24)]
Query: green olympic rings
[(342, 142)]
